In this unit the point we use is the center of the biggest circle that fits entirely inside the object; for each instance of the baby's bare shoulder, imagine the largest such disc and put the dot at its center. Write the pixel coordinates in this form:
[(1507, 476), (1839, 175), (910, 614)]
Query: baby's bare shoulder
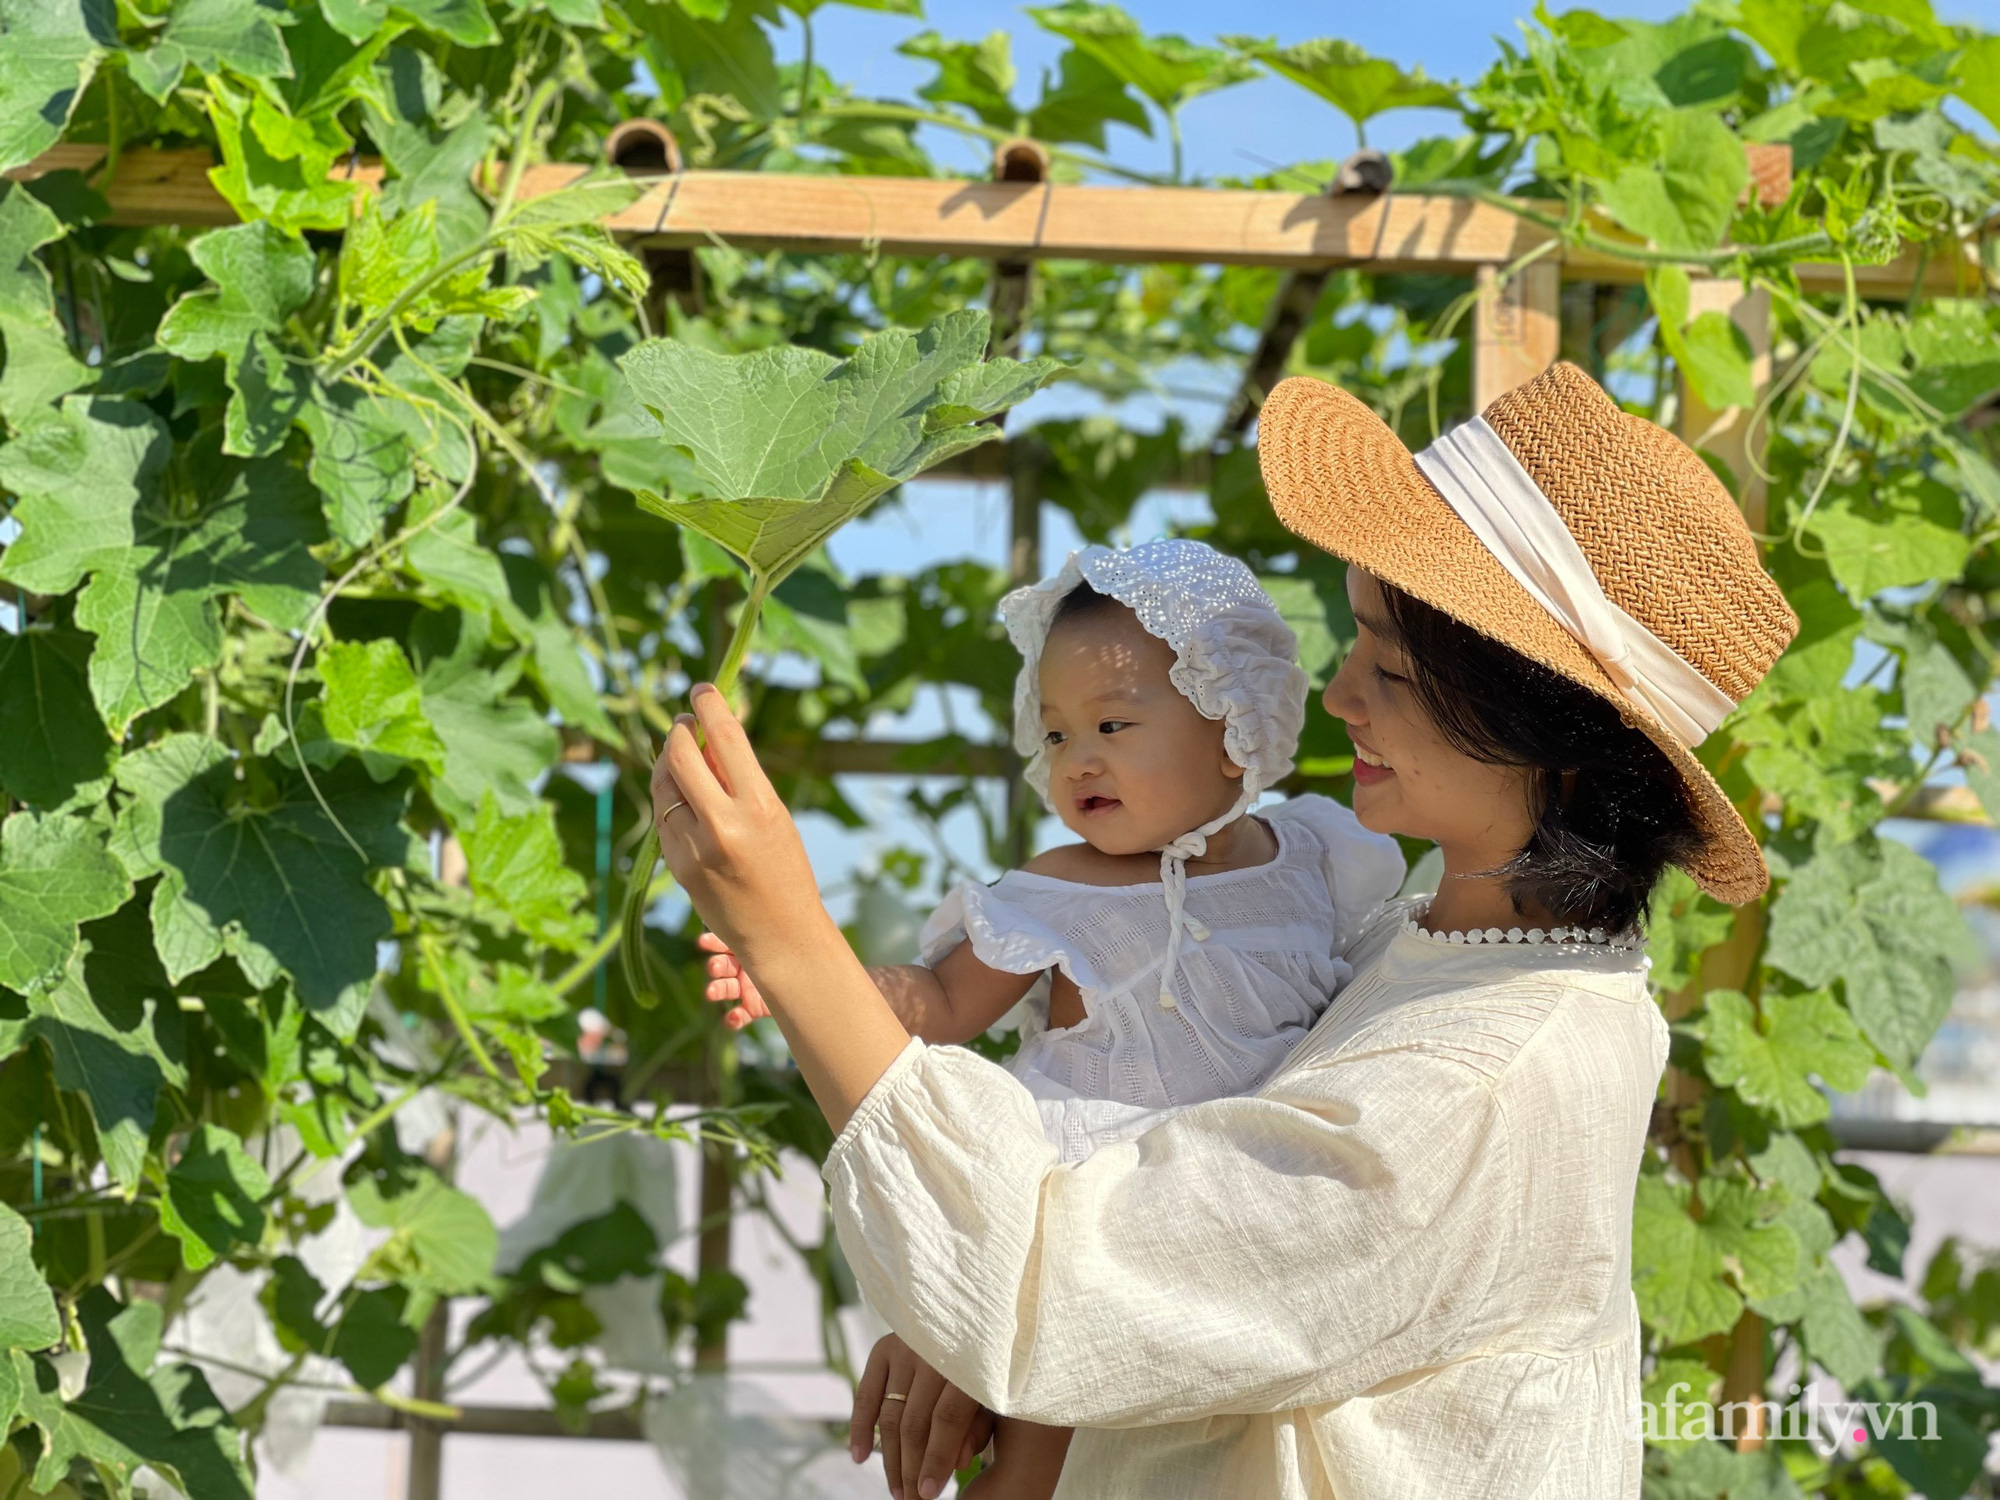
[(1088, 866)]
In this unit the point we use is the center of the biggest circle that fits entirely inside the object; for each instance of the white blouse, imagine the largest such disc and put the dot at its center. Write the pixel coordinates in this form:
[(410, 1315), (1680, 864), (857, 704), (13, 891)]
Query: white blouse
[(1247, 992), (1400, 1270)]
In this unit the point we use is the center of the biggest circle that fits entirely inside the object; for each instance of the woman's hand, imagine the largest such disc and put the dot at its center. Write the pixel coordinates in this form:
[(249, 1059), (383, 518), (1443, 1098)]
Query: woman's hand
[(939, 1428), (728, 839), (732, 847)]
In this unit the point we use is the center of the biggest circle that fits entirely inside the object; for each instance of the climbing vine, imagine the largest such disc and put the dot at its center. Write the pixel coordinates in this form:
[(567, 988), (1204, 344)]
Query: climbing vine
[(357, 552)]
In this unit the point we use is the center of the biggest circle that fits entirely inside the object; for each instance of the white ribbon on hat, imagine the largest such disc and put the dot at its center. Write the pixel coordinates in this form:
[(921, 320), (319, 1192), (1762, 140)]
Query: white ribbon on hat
[(1482, 480)]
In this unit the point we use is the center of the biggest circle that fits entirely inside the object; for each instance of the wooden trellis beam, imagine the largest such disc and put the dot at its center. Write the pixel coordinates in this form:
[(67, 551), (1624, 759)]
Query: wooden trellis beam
[(833, 214)]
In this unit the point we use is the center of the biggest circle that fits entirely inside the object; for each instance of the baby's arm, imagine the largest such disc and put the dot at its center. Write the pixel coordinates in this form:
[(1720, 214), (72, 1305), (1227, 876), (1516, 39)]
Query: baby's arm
[(952, 1001)]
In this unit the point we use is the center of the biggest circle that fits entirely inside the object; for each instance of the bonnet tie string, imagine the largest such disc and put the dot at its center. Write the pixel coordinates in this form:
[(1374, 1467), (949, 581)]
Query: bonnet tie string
[(1173, 878)]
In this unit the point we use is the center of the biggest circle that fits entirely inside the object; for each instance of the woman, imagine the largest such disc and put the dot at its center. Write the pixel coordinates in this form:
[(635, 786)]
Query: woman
[(1401, 1267)]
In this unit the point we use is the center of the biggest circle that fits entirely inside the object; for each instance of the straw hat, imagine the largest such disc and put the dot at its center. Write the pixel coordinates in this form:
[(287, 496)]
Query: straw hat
[(1657, 530)]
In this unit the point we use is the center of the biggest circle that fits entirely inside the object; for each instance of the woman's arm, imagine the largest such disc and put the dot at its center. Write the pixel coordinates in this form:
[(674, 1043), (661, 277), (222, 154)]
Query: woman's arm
[(1341, 1228), (733, 848)]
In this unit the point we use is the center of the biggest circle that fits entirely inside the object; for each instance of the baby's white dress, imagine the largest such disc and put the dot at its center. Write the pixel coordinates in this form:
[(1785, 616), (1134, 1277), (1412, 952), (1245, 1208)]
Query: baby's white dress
[(1245, 994)]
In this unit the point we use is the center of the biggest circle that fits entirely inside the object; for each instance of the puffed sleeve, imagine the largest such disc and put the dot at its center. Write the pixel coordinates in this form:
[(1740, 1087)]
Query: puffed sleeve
[(1363, 869), (1010, 930), (1250, 1254)]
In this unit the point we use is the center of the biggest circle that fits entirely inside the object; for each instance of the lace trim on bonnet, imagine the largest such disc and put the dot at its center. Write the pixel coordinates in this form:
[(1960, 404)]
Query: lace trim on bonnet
[(1235, 659)]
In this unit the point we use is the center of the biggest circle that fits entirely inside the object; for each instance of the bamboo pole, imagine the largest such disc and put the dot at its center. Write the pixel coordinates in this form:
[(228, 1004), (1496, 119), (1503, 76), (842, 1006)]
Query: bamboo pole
[(839, 214)]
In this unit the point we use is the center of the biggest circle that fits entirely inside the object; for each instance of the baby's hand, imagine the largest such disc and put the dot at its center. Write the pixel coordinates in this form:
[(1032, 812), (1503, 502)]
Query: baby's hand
[(727, 982), (927, 1436)]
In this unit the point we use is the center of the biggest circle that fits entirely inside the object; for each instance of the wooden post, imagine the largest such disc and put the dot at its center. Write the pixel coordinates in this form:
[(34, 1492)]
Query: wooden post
[(1726, 433), (1516, 328), (425, 1473), (1026, 458)]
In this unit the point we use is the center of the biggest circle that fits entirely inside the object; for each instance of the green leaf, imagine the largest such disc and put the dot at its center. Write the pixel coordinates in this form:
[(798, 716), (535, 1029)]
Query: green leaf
[(1682, 924), (789, 443), (49, 50), (1685, 200), (1359, 86), (463, 21), (373, 702), (595, 1252), (1084, 97), (1770, 1061), (1691, 1275), (210, 35), (979, 76), (1681, 1383), (1099, 468), (133, 1412), (1822, 753), (1906, 531), (1869, 915), (259, 871), (1978, 752), (1837, 1337), (1936, 691), (727, 53), (1979, 77), (518, 591), (432, 156), (370, 1334), (276, 167), (52, 742), (516, 864), (152, 607), (213, 1197), (1169, 70), (113, 1029), (1819, 656), (492, 743), (55, 873), (78, 472), (262, 276), (40, 367), (28, 1317), (441, 1240)]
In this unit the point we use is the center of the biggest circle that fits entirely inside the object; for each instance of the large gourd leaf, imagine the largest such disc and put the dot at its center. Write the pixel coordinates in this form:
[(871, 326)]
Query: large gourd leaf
[(787, 444), (54, 874), (1870, 915), (133, 1411), (48, 51), (28, 1318), (261, 873), (1358, 85)]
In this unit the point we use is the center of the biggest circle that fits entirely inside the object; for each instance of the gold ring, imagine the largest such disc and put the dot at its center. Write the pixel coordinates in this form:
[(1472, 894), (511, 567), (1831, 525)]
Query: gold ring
[(897, 1396), (670, 811)]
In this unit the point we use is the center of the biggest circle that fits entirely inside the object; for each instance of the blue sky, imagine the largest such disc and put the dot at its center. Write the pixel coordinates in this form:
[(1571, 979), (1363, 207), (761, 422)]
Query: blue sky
[(1231, 132)]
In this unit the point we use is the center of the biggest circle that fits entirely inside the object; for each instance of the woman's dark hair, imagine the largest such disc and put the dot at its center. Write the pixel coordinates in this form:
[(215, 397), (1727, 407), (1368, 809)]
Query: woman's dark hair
[(1610, 811)]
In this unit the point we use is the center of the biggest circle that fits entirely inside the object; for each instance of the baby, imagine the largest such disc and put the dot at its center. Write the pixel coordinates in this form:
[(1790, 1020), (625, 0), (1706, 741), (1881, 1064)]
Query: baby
[(1181, 949)]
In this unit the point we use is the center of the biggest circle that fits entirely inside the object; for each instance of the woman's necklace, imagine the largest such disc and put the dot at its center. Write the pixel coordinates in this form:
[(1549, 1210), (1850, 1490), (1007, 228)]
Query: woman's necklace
[(1532, 936)]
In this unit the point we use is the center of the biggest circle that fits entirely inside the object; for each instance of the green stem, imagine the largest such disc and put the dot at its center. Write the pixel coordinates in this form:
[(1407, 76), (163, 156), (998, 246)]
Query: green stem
[(1757, 254), (371, 334), (459, 1019), (638, 887), (806, 70)]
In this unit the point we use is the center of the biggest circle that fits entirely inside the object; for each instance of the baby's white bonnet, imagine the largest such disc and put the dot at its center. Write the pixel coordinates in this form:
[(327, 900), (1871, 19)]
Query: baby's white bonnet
[(1235, 658)]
